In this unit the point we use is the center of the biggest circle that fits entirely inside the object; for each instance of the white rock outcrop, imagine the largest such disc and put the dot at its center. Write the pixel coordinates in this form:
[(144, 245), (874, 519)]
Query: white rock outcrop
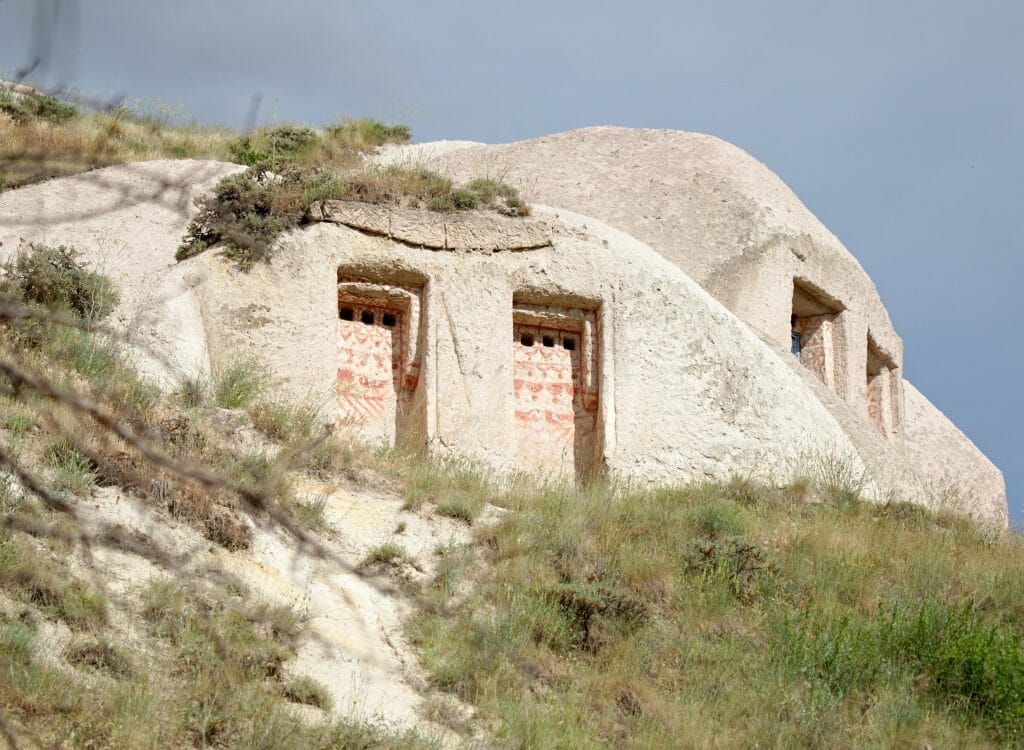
[(555, 343)]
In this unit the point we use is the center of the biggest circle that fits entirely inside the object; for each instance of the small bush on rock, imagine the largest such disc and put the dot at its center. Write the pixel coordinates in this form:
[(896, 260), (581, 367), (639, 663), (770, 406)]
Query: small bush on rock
[(499, 195), (26, 108), (247, 212), (56, 278), (366, 133), (309, 692), (240, 213)]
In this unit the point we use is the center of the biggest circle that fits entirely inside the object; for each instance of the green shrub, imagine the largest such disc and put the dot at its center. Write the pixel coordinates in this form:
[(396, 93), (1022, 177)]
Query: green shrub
[(243, 151), (274, 148), (388, 553), (55, 278), (744, 565), (100, 655), (718, 518), (248, 211), (499, 195), (309, 692), (17, 642), (87, 354), (971, 663), (963, 660), (25, 108), (288, 140), (461, 505), (837, 653), (75, 472), (240, 212), (17, 424), (366, 133), (441, 204), (238, 384), (465, 200)]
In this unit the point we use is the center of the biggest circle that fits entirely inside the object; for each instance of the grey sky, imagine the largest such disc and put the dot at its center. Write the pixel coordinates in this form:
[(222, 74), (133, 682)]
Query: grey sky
[(899, 123)]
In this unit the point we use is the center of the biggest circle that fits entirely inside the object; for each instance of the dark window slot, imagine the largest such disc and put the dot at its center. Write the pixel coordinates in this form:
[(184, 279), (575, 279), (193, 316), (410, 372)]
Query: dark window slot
[(389, 320), (366, 316), (549, 340), (569, 343), (526, 339), (347, 313)]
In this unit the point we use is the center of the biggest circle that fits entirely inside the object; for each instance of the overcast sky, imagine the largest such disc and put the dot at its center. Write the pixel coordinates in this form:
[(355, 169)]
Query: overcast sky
[(900, 123)]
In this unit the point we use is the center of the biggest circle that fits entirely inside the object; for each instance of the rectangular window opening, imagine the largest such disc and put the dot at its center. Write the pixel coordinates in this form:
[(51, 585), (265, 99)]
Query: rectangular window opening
[(569, 343), (549, 340), (347, 313), (526, 339), (812, 333), (389, 320), (366, 316)]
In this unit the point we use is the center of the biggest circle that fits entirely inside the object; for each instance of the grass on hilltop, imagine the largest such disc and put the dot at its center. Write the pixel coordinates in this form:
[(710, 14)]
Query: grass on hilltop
[(42, 137), (291, 166)]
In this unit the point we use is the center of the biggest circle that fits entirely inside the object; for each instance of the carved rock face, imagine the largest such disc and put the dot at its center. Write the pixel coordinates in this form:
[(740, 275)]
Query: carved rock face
[(675, 387), (481, 231)]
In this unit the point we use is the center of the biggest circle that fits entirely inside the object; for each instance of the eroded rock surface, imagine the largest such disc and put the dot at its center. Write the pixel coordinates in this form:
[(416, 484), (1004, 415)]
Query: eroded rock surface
[(459, 230)]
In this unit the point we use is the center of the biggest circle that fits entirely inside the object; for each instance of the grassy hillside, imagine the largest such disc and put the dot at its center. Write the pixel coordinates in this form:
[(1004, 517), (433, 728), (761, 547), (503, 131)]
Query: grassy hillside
[(732, 615), (185, 657)]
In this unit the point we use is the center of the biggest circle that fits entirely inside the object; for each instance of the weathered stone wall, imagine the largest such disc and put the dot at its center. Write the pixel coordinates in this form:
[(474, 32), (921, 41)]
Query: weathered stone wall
[(724, 403), (714, 211)]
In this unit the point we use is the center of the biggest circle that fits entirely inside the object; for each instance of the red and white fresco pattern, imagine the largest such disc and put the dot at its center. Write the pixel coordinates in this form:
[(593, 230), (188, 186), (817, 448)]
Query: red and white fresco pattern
[(369, 360), (554, 425), (816, 346)]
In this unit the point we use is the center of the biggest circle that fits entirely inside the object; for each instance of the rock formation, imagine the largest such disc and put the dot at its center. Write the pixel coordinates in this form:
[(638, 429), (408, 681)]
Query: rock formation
[(741, 338)]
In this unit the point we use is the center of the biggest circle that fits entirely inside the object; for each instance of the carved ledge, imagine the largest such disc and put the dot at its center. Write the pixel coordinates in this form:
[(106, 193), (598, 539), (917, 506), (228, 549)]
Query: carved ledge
[(478, 231)]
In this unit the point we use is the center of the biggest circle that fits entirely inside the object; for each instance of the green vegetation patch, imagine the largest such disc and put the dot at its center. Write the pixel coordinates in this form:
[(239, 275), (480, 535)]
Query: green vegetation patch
[(44, 582), (309, 692), (27, 108), (730, 614), (56, 278), (247, 212), (337, 146)]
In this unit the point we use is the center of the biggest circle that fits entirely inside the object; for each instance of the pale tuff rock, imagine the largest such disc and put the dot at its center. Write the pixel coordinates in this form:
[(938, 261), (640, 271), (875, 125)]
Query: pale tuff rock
[(593, 346), (733, 226), (460, 230), (955, 470)]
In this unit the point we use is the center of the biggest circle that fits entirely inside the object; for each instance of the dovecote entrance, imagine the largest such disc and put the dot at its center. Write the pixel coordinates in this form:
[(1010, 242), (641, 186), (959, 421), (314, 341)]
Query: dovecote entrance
[(555, 389), (815, 335), (378, 358), (883, 397)]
